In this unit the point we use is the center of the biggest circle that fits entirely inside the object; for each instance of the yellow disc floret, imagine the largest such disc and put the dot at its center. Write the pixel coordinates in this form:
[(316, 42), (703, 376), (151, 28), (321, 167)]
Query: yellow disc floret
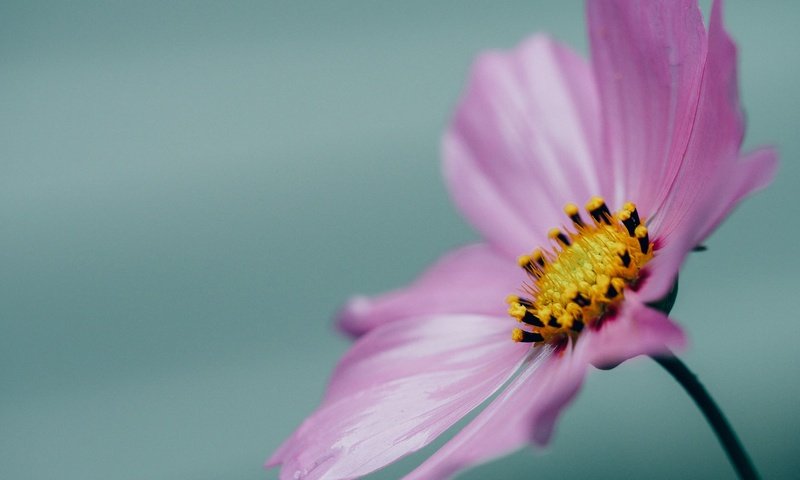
[(584, 277)]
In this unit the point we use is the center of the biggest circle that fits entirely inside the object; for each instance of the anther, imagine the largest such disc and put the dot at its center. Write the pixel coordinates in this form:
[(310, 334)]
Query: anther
[(553, 322), (625, 256), (612, 291), (517, 311), (577, 325), (538, 257), (627, 219), (615, 287), (557, 234), (521, 300), (581, 300), (525, 262), (597, 208), (572, 212), (644, 239), (631, 208), (531, 319), (522, 314), (520, 335)]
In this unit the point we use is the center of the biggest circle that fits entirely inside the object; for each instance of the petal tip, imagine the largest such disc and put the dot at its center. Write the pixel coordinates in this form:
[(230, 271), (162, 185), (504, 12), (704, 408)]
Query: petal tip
[(276, 459), (349, 318)]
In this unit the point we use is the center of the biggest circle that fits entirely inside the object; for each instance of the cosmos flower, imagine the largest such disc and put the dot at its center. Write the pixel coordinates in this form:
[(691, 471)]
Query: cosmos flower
[(649, 132)]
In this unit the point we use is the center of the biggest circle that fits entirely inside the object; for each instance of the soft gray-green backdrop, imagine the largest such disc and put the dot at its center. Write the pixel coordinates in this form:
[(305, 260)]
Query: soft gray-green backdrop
[(190, 189)]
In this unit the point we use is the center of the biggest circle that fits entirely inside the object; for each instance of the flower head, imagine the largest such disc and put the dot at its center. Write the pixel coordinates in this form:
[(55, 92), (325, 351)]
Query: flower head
[(649, 133)]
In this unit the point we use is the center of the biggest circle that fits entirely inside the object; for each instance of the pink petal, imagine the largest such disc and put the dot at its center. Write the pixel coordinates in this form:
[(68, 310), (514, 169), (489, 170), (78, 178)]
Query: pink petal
[(528, 409), (661, 271), (648, 59), (398, 388), (712, 179), (635, 330), (473, 279), (522, 143), (525, 411), (751, 173), (716, 136)]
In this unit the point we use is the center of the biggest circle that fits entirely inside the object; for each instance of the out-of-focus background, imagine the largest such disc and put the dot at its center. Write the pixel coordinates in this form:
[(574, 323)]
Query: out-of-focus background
[(189, 190)]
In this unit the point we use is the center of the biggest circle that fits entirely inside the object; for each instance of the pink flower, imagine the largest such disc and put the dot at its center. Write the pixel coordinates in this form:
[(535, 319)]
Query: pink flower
[(654, 119)]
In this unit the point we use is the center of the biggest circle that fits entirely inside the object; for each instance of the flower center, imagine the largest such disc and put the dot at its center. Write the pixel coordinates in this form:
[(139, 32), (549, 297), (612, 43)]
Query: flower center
[(584, 278)]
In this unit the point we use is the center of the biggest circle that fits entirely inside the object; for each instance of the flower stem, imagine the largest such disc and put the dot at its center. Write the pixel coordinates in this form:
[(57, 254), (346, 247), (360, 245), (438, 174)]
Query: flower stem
[(727, 437)]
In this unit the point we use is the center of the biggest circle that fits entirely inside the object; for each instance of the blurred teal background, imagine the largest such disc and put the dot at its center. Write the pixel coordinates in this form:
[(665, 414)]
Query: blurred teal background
[(189, 190)]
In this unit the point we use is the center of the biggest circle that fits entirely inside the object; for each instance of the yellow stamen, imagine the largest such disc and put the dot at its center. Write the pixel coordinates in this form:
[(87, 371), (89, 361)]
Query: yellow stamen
[(584, 276), (511, 299), (538, 256), (571, 209), (516, 335), (594, 203), (517, 311), (558, 236)]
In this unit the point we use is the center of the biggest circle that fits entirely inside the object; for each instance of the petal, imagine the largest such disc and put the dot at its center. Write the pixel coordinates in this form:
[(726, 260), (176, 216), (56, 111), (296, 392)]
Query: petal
[(398, 388), (750, 174), (635, 330), (648, 58), (660, 273), (528, 409), (472, 279), (713, 148), (522, 143), (712, 179), (525, 411)]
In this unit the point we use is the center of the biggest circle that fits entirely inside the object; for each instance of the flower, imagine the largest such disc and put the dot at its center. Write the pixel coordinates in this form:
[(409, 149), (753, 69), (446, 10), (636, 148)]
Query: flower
[(650, 133)]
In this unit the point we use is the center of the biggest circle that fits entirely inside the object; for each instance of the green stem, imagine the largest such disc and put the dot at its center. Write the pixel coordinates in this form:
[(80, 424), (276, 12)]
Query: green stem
[(727, 437)]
